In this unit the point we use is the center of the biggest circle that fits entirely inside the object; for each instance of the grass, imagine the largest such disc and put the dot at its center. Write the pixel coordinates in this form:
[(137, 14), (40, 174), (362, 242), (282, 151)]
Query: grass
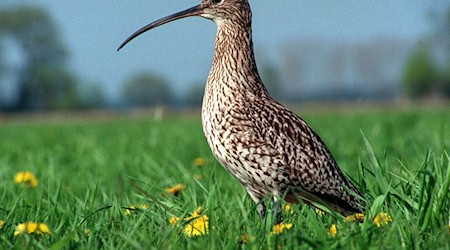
[(90, 171)]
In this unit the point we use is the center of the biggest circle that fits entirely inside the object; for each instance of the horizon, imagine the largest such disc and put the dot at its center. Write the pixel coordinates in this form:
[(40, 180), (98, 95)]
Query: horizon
[(92, 41)]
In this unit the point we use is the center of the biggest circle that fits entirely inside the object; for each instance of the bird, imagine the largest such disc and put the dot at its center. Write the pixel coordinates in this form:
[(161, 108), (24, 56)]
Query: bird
[(270, 150)]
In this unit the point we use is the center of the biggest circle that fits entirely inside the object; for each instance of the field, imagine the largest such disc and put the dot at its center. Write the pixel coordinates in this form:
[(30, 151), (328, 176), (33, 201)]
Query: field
[(90, 172)]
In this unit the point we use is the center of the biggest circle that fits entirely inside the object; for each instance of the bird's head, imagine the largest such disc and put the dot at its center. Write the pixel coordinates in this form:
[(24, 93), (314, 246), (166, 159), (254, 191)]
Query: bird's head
[(235, 12)]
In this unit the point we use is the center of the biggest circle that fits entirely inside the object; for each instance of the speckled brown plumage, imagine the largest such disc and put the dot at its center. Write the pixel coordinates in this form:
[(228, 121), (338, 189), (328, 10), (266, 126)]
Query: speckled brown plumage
[(268, 148)]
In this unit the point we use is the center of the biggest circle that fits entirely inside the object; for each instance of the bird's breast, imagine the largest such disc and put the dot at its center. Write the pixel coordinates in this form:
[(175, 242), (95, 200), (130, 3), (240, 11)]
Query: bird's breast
[(235, 144)]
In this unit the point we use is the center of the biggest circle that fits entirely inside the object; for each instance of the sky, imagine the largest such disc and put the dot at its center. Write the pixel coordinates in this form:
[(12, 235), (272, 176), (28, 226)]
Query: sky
[(182, 51)]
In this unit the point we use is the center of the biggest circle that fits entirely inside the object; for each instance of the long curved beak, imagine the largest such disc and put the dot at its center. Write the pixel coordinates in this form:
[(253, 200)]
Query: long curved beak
[(194, 11)]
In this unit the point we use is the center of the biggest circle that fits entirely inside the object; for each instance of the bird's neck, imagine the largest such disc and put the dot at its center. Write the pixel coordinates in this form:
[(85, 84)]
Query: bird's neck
[(234, 62)]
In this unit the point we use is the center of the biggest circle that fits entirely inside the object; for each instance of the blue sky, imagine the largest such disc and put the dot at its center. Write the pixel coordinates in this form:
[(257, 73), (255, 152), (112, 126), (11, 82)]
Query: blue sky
[(182, 51)]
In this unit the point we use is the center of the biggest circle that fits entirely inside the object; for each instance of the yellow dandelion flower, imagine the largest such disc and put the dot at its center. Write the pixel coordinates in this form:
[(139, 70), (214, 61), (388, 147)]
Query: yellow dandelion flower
[(197, 211), (355, 217), (197, 227), (32, 227), (199, 162), (20, 229), (43, 229), (382, 219), (288, 209), (195, 214), (319, 212), (2, 223), (245, 239), (173, 220), (130, 210), (333, 230), (87, 231), (144, 206), (133, 209), (279, 228), (19, 178), (175, 190), (27, 178)]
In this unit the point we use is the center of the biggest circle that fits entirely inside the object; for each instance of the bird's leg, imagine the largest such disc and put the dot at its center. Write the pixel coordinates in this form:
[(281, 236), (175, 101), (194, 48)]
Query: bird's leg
[(277, 212), (262, 210), (258, 200)]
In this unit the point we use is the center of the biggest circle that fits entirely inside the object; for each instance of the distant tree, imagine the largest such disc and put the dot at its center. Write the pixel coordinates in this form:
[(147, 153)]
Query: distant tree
[(194, 95), (420, 74), (2, 71), (270, 75), (2, 63), (147, 89), (440, 20), (293, 68), (428, 68), (36, 35), (444, 85), (92, 96), (56, 89), (439, 17), (336, 67)]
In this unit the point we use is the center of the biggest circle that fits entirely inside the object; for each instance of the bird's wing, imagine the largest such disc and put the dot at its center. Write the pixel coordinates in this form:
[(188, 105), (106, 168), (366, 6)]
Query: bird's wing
[(306, 160)]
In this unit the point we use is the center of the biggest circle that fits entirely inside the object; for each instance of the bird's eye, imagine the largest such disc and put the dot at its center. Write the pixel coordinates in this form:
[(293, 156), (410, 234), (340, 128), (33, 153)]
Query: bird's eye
[(217, 1)]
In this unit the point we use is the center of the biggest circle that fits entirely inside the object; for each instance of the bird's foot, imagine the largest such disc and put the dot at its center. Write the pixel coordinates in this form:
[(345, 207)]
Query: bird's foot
[(262, 210), (277, 212)]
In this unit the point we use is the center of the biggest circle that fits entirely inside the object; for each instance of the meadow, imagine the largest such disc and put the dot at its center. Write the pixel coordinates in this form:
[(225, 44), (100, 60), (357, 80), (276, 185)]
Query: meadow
[(103, 184)]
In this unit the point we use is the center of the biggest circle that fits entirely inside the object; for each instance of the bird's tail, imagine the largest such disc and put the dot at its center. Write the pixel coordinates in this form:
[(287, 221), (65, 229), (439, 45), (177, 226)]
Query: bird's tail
[(353, 204)]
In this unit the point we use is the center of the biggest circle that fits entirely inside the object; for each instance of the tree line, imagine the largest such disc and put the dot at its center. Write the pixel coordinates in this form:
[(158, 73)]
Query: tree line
[(45, 82)]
